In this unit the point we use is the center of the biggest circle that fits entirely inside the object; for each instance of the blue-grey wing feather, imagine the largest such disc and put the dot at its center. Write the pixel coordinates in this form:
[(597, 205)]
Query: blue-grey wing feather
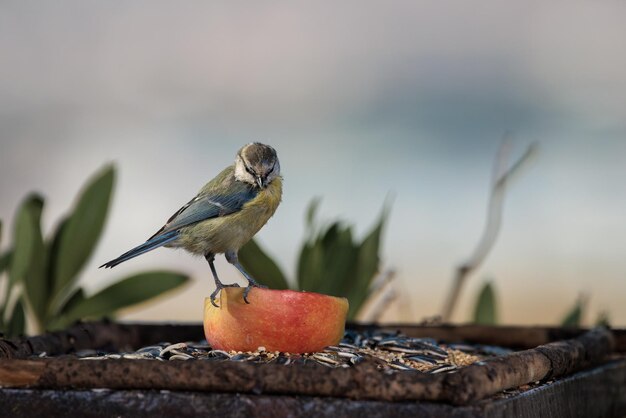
[(207, 206)]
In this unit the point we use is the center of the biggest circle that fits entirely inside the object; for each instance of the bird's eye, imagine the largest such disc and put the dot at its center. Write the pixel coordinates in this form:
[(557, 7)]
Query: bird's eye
[(249, 170)]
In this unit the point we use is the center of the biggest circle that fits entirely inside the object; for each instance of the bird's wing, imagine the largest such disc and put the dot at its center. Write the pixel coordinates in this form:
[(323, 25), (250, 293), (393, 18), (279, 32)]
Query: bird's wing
[(209, 205)]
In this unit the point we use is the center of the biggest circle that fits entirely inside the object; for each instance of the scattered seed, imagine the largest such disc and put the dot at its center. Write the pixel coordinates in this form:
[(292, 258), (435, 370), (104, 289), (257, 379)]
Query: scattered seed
[(153, 350), (392, 352), (399, 366), (180, 357), (443, 368), (325, 359), (243, 357), (173, 347)]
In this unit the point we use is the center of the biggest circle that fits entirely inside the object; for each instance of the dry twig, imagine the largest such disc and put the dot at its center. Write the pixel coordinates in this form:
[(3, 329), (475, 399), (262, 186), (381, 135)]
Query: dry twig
[(494, 218)]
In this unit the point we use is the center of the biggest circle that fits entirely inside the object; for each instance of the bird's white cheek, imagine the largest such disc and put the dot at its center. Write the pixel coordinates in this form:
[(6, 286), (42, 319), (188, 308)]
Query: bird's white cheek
[(242, 175)]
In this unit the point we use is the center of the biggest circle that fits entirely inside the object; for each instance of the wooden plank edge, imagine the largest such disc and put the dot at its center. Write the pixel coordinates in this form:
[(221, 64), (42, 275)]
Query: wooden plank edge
[(547, 361), (363, 381)]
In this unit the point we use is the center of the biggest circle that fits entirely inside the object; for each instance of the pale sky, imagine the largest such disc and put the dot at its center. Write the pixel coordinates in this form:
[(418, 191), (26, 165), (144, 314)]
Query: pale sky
[(361, 99)]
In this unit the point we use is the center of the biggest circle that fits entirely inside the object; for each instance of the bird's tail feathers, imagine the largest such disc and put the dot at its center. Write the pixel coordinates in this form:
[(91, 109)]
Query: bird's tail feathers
[(149, 245)]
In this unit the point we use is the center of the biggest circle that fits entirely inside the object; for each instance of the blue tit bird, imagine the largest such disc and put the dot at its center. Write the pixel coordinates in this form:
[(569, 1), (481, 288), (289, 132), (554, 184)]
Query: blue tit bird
[(227, 212)]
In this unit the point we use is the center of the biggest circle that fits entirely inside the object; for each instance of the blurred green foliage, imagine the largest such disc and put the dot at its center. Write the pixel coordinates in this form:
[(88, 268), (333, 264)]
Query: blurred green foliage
[(486, 312), (573, 318), (485, 309), (603, 319), (42, 274), (331, 261)]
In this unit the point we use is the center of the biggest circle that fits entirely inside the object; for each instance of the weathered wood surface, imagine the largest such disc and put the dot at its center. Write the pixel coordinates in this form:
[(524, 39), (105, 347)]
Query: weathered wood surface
[(108, 336), (512, 336), (547, 361), (595, 393), (118, 337), (149, 404), (360, 382)]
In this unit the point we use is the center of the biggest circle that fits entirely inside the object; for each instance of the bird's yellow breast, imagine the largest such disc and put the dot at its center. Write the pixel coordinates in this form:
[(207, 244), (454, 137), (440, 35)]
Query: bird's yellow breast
[(231, 232)]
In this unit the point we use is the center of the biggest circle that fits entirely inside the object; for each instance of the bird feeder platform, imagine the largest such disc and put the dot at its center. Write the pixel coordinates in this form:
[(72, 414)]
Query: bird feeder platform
[(545, 372)]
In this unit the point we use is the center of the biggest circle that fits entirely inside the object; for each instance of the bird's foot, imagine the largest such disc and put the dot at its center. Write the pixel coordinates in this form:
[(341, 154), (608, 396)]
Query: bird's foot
[(251, 284), (218, 288)]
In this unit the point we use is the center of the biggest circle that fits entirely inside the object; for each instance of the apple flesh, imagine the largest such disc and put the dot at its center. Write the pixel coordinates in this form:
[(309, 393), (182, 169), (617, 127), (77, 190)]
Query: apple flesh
[(279, 320)]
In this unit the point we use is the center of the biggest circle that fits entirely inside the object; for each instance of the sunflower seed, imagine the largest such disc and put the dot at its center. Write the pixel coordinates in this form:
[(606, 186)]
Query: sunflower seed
[(422, 359), (153, 350), (325, 359), (399, 366), (443, 368), (172, 347), (180, 357)]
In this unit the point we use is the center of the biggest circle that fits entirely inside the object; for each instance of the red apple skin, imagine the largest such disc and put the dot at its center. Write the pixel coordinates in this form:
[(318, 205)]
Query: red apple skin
[(279, 320)]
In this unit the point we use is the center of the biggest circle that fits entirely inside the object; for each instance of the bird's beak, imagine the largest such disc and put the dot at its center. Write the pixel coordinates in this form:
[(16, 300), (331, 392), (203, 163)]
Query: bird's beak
[(259, 181)]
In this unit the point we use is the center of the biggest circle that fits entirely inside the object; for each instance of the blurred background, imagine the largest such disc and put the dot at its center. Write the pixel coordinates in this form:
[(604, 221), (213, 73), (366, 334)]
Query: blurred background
[(362, 100)]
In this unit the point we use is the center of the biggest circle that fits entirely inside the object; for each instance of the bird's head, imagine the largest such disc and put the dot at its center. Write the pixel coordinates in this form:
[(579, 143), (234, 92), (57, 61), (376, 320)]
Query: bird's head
[(257, 164)]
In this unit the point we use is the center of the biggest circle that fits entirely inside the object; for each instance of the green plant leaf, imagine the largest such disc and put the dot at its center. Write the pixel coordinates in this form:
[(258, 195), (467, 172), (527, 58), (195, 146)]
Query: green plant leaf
[(62, 319), (127, 292), (35, 291), (310, 266), (76, 298), (331, 234), (261, 266), (485, 309), (52, 250), (23, 238), (5, 260), (603, 319), (16, 324), (312, 269), (81, 232), (340, 257), (368, 262), (311, 212), (574, 317)]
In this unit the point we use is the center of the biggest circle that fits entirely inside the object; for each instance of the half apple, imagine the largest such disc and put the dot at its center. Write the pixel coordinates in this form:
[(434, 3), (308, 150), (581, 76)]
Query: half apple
[(279, 320)]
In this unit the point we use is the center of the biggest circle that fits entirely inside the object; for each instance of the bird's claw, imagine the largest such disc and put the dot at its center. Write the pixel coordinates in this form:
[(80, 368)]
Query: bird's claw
[(251, 284), (217, 290)]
